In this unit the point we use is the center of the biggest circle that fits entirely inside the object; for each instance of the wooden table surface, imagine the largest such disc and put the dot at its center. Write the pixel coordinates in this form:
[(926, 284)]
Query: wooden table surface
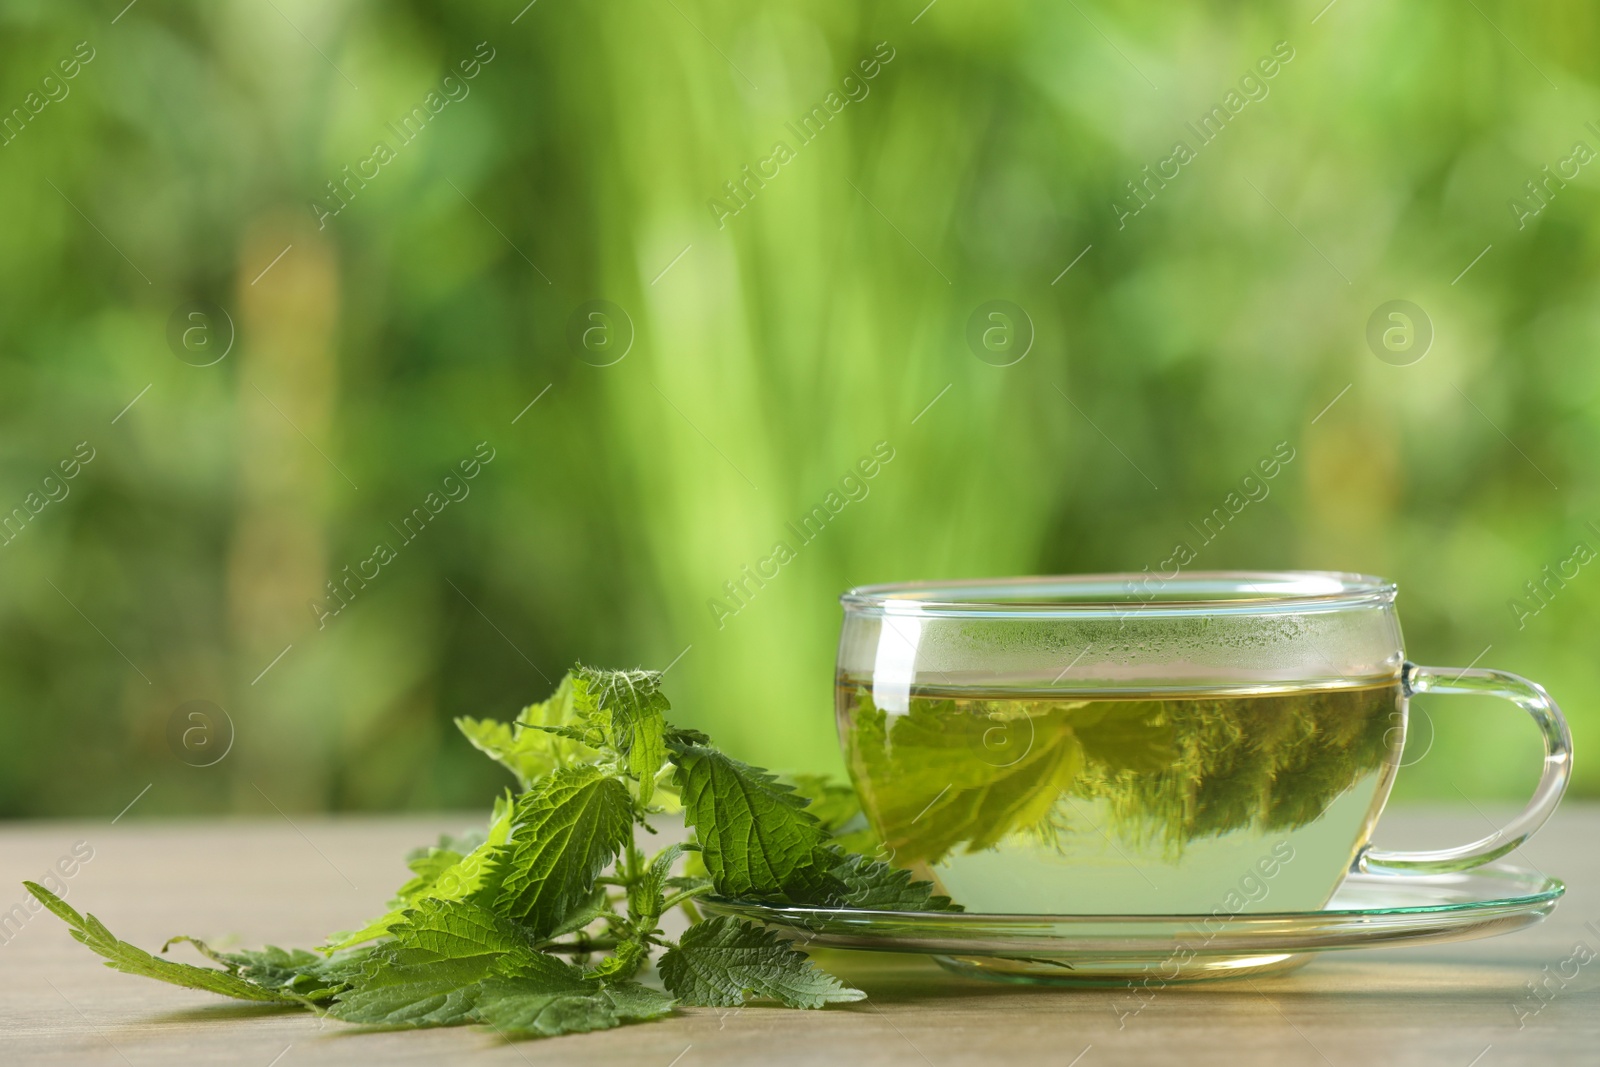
[(290, 883)]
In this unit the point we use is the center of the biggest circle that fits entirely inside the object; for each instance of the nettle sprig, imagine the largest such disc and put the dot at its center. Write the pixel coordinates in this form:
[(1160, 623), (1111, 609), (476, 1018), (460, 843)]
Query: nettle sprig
[(543, 923)]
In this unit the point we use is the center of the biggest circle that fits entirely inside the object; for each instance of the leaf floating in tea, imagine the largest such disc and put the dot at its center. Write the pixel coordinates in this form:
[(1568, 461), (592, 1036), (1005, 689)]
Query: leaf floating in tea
[(934, 786), (1109, 783)]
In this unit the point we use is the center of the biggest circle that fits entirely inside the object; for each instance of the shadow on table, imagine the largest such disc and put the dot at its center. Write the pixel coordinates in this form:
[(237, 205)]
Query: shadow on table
[(1453, 986), (227, 1011), (1383, 992)]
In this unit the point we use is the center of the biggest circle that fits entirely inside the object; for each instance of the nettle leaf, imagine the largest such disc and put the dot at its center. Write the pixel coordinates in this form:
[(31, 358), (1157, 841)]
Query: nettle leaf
[(544, 738), (645, 899), (430, 974), (838, 808), (630, 953), (461, 843), (455, 962), (680, 735), (948, 777), (306, 974), (723, 962), (431, 862), (566, 830), (120, 955), (543, 996), (441, 994), (437, 930), (566, 715), (463, 940), (637, 1002), (591, 909), (833, 804), (472, 875), (755, 837), (1127, 736), (637, 719), (871, 884), (525, 753), (428, 865)]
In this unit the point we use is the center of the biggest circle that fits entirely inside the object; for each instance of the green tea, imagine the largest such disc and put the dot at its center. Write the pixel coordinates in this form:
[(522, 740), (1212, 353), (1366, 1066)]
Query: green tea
[(1125, 802)]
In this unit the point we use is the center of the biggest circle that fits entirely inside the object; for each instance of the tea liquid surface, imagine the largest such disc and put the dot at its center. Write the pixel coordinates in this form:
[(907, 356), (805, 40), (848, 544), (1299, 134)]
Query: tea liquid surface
[(1125, 802)]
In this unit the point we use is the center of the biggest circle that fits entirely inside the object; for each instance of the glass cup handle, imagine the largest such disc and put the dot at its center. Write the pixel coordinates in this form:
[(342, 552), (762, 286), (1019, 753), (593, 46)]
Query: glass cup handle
[(1532, 699)]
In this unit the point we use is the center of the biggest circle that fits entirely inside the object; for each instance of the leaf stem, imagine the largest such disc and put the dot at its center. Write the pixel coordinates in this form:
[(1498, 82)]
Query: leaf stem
[(592, 944), (683, 897)]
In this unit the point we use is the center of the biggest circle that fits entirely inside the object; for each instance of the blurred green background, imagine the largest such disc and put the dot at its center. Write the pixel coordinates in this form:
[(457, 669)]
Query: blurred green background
[(768, 349)]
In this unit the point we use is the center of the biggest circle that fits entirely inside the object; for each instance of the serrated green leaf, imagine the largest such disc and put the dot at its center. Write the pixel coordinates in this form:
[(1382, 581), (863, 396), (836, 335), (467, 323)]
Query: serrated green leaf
[(306, 974), (465, 841), (636, 1002), (630, 953), (542, 996), (440, 994), (475, 874), (463, 941), (455, 963), (874, 885), (725, 961), (1127, 736), (833, 804), (838, 808), (525, 753), (680, 735), (646, 897), (517, 1008), (428, 865), (635, 709), (430, 974), (120, 955), (598, 904), (946, 777), (564, 833), (755, 837), (440, 930), (530, 754)]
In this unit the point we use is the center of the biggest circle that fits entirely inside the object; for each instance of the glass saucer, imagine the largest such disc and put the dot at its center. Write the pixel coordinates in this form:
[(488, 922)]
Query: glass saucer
[(1368, 910)]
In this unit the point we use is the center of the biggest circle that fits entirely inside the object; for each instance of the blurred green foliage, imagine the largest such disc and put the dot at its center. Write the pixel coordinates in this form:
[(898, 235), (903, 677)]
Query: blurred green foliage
[(771, 349)]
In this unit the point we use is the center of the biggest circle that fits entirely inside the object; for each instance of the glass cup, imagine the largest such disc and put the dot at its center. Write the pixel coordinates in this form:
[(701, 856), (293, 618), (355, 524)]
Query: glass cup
[(1215, 743)]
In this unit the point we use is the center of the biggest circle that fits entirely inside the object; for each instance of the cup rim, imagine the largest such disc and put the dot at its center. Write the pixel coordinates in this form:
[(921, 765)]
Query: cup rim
[(1191, 593)]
